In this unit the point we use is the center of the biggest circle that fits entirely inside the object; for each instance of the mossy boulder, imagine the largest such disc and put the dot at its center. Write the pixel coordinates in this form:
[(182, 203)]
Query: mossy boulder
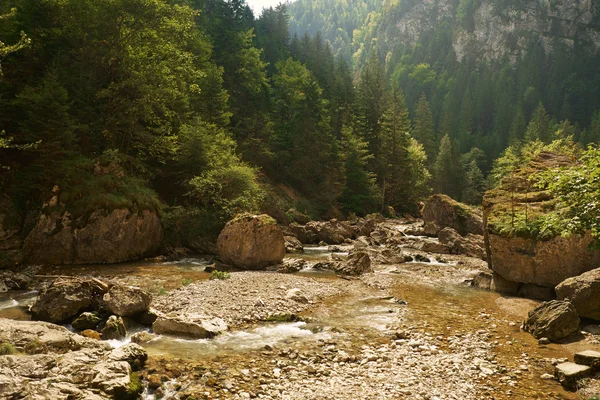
[(445, 212), (516, 245), (251, 242)]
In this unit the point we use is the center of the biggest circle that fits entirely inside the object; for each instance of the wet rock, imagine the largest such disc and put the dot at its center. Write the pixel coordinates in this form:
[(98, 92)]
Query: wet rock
[(431, 246), (293, 245), (469, 245), (132, 353), (361, 242), (569, 373), (445, 212), (118, 236), (91, 334), (192, 325), (358, 263), (126, 301), (87, 320), (146, 318), (483, 280), (292, 265), (296, 295), (251, 242), (67, 298), (584, 292), (15, 280), (431, 229), (142, 337), (554, 320), (379, 236), (114, 328)]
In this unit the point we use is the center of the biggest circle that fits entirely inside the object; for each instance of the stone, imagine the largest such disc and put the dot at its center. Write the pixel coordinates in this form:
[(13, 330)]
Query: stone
[(483, 280), (87, 320), (431, 246), (591, 358), (431, 229), (358, 263), (251, 242), (361, 242), (142, 337), (66, 298), (105, 238), (593, 329), (554, 320), (297, 216), (536, 292), (469, 245), (293, 245), (191, 325), (501, 285), (126, 301), (91, 334), (331, 232), (114, 329), (446, 212), (569, 373), (296, 295), (528, 258), (584, 292), (132, 353)]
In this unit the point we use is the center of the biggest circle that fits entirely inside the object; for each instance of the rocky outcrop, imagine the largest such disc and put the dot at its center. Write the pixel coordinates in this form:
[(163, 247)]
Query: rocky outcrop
[(554, 320), (251, 242), (445, 212), (118, 236), (293, 245), (583, 292), (191, 325), (522, 255), (358, 263), (470, 245), (333, 231), (66, 365)]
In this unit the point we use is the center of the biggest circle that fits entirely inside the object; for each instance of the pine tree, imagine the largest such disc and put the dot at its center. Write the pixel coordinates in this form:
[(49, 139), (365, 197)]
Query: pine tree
[(475, 184), (539, 126), (424, 130), (445, 170)]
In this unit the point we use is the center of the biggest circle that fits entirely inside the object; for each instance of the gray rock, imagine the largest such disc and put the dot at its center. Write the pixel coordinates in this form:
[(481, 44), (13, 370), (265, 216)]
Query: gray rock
[(590, 358), (554, 320), (87, 320), (131, 353), (296, 295), (126, 301), (192, 325), (358, 263), (114, 328), (293, 245), (569, 373), (142, 337)]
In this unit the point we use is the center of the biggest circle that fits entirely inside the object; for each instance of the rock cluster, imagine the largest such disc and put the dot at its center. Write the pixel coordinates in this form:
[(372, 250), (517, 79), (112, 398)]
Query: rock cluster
[(441, 211), (332, 232)]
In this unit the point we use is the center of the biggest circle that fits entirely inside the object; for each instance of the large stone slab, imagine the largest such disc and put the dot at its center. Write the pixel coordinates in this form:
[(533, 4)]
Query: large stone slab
[(590, 358), (569, 373)]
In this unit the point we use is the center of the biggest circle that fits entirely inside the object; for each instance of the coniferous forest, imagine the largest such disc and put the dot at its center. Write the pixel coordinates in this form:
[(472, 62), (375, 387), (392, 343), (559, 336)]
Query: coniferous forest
[(200, 109)]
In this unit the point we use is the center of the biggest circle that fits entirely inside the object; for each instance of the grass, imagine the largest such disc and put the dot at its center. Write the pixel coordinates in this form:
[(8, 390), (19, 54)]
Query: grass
[(162, 292), (186, 281), (7, 349), (34, 347), (220, 275)]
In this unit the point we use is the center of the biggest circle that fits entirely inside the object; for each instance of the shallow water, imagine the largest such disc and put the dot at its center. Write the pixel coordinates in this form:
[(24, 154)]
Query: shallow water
[(14, 303)]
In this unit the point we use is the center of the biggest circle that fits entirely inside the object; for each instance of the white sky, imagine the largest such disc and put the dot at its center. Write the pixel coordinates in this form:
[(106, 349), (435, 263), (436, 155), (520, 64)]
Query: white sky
[(258, 5)]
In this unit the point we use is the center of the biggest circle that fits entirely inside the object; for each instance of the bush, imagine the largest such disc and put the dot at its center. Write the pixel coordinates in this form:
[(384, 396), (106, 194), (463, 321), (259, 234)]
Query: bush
[(220, 275), (7, 348)]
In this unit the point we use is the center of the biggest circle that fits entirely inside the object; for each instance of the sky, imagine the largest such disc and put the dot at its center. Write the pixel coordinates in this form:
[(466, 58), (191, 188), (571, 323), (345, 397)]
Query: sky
[(258, 5)]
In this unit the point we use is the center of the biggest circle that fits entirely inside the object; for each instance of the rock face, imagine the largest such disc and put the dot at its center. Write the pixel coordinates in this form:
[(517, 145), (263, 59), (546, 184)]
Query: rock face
[(118, 236), (444, 212), (191, 325), (554, 320), (70, 366), (251, 242), (523, 257), (584, 292), (126, 301)]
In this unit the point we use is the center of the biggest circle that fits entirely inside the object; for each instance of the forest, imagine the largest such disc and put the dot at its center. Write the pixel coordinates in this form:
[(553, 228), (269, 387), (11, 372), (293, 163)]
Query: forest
[(198, 109)]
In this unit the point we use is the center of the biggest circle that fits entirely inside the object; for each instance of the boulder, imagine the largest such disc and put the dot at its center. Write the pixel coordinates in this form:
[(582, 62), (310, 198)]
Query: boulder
[(333, 231), (536, 292), (446, 212), (296, 295), (293, 245), (358, 263), (67, 298), (583, 292), (142, 337), (87, 320), (117, 236), (430, 229), (501, 285), (554, 320), (251, 242), (292, 265), (431, 246), (191, 325), (482, 280), (132, 353), (569, 373), (91, 334), (525, 255), (469, 245), (361, 242), (126, 301), (114, 329)]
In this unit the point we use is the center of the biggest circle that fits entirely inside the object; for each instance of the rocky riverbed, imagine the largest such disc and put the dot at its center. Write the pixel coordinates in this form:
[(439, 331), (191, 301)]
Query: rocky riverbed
[(413, 328)]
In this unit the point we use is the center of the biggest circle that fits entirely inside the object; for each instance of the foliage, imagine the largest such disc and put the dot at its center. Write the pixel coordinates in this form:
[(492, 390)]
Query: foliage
[(220, 275), (7, 349)]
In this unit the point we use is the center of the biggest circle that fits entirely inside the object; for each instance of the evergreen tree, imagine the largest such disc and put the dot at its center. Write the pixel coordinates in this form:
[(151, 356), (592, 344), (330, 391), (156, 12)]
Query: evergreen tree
[(539, 126), (445, 170), (475, 185), (424, 130)]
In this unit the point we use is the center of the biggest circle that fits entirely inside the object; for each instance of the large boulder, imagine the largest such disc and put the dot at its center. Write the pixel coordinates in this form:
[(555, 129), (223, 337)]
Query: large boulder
[(67, 298), (191, 325), (126, 301), (358, 263), (251, 242), (525, 255), (117, 236), (469, 245), (554, 320), (584, 292), (444, 212)]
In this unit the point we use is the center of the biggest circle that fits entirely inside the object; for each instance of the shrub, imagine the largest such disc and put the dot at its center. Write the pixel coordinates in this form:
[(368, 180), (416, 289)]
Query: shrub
[(221, 275), (7, 348)]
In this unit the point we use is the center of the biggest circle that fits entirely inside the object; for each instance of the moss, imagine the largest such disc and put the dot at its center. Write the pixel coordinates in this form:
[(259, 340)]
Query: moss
[(262, 218), (135, 385), (34, 347), (7, 348), (220, 275)]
